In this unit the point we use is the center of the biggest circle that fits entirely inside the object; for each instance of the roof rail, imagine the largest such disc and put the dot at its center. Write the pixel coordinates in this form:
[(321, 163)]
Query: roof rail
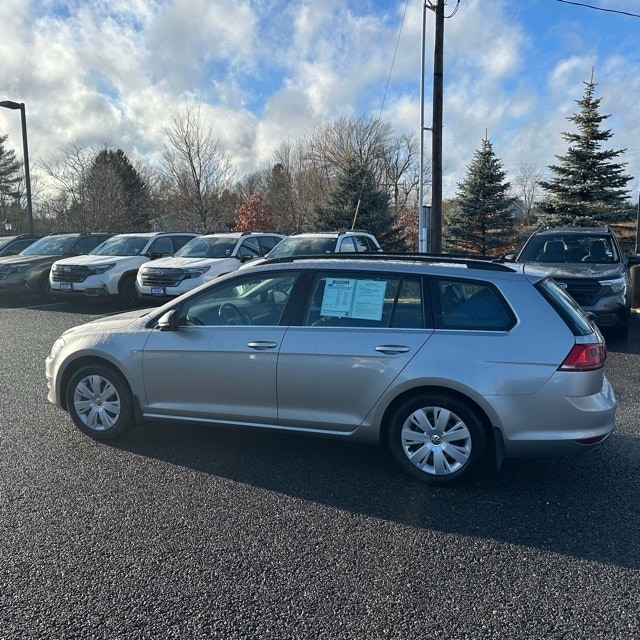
[(471, 261)]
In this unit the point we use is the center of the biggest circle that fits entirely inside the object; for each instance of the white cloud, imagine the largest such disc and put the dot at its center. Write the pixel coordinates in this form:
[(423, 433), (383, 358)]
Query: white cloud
[(115, 70)]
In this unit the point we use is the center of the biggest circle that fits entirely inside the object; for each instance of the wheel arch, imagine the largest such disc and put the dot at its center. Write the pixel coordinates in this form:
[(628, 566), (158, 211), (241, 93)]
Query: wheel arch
[(494, 437), (130, 273), (77, 364)]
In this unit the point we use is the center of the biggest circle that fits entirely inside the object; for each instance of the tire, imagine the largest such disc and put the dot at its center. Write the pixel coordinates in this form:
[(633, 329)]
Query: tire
[(44, 288), (438, 438), (99, 402), (128, 293)]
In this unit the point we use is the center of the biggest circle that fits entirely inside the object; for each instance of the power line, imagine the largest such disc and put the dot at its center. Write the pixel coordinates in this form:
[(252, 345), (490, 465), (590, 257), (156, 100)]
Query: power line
[(590, 6)]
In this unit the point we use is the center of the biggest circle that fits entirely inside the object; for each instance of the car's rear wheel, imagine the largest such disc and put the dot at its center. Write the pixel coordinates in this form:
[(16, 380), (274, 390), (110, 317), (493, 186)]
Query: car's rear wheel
[(438, 438), (99, 402)]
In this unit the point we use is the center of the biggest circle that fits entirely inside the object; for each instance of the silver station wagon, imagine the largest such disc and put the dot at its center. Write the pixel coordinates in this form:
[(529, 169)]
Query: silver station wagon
[(452, 364)]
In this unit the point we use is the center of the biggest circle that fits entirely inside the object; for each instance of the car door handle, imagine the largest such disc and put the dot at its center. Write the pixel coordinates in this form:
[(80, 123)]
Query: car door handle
[(262, 345), (391, 349)]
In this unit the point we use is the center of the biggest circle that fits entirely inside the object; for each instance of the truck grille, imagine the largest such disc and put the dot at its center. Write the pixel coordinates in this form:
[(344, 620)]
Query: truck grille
[(70, 273), (162, 277), (585, 292)]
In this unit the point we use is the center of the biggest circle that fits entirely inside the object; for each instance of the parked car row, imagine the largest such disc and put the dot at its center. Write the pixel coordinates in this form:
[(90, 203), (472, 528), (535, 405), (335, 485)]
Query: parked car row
[(153, 266)]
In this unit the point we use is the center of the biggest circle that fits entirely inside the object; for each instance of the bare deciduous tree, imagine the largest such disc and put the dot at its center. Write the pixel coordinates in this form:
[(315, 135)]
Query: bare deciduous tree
[(526, 187), (199, 174)]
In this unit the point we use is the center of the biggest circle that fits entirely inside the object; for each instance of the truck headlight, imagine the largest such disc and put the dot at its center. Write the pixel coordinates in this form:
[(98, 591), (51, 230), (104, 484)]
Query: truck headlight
[(196, 272), (101, 268), (614, 285)]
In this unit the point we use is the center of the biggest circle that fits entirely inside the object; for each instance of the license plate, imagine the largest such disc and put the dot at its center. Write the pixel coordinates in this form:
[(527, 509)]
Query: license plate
[(66, 286), (157, 291)]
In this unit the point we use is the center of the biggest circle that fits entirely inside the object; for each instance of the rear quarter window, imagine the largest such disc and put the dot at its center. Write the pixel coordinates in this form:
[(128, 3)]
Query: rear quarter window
[(471, 305), (565, 306)]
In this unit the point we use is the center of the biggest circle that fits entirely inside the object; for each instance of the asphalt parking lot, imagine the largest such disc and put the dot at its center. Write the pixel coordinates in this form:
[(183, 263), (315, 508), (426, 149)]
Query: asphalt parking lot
[(200, 532)]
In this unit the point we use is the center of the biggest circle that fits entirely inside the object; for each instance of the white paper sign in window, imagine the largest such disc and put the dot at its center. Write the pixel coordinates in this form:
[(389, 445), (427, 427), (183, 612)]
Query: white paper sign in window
[(351, 298)]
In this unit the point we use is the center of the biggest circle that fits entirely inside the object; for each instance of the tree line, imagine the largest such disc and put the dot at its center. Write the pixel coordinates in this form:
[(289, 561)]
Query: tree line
[(353, 172)]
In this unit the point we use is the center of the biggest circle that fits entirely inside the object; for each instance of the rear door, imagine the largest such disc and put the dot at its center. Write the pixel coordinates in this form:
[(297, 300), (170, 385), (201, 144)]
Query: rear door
[(356, 334)]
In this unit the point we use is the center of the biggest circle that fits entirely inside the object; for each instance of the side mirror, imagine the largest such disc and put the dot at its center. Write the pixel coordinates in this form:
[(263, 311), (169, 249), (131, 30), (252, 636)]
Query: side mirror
[(169, 321), (156, 255)]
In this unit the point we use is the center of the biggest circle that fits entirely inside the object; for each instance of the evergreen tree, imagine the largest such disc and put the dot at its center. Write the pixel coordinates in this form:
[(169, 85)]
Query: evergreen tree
[(588, 186), (482, 220), (356, 202), (118, 193), (10, 172)]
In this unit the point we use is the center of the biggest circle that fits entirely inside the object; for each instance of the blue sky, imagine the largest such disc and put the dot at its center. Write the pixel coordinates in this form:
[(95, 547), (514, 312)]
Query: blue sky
[(265, 71)]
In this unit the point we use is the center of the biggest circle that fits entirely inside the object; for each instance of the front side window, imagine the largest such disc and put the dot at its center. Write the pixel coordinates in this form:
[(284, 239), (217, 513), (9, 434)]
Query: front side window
[(267, 243), (249, 248), (365, 300), (364, 244), (347, 246), (470, 304), (179, 241), (161, 246), (258, 300)]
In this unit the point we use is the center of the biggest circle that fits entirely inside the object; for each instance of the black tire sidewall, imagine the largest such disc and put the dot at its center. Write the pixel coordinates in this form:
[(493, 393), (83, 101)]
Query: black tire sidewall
[(127, 292), (125, 420), (479, 440)]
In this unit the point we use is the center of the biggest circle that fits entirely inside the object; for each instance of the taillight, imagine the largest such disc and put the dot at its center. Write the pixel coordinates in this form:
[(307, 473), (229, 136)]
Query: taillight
[(585, 357)]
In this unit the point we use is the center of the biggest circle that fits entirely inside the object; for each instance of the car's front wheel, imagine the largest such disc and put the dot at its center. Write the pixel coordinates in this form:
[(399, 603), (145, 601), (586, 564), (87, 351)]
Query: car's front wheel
[(128, 292), (99, 402), (438, 438)]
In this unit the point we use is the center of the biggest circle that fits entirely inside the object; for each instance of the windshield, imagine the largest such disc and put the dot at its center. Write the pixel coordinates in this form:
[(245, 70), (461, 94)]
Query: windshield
[(121, 246), (570, 248), (208, 247), (49, 246), (301, 246)]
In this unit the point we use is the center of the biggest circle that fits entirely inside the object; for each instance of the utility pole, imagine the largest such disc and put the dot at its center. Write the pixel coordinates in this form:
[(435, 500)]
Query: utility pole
[(435, 234)]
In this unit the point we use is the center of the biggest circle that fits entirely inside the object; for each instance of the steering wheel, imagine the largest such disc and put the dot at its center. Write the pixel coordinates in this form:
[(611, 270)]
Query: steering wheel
[(229, 313)]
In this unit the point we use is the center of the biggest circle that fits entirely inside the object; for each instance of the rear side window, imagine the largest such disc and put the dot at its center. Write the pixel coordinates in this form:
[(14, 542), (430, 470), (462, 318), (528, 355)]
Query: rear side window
[(470, 304), (365, 300), (566, 307)]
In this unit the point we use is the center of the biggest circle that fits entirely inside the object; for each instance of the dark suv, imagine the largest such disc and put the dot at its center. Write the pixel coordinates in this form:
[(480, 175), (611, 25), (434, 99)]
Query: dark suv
[(28, 272), (590, 264), (12, 245)]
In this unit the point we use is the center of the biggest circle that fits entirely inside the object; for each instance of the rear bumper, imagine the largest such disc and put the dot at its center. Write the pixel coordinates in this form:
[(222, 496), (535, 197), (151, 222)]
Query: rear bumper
[(544, 427)]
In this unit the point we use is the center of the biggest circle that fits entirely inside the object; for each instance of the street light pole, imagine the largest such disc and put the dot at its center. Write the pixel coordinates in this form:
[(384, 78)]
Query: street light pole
[(8, 104)]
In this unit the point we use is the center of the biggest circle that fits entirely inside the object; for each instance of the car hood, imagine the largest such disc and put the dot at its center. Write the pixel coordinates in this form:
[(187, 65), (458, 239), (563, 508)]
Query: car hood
[(88, 260), (184, 263), (111, 323), (19, 259), (575, 271)]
